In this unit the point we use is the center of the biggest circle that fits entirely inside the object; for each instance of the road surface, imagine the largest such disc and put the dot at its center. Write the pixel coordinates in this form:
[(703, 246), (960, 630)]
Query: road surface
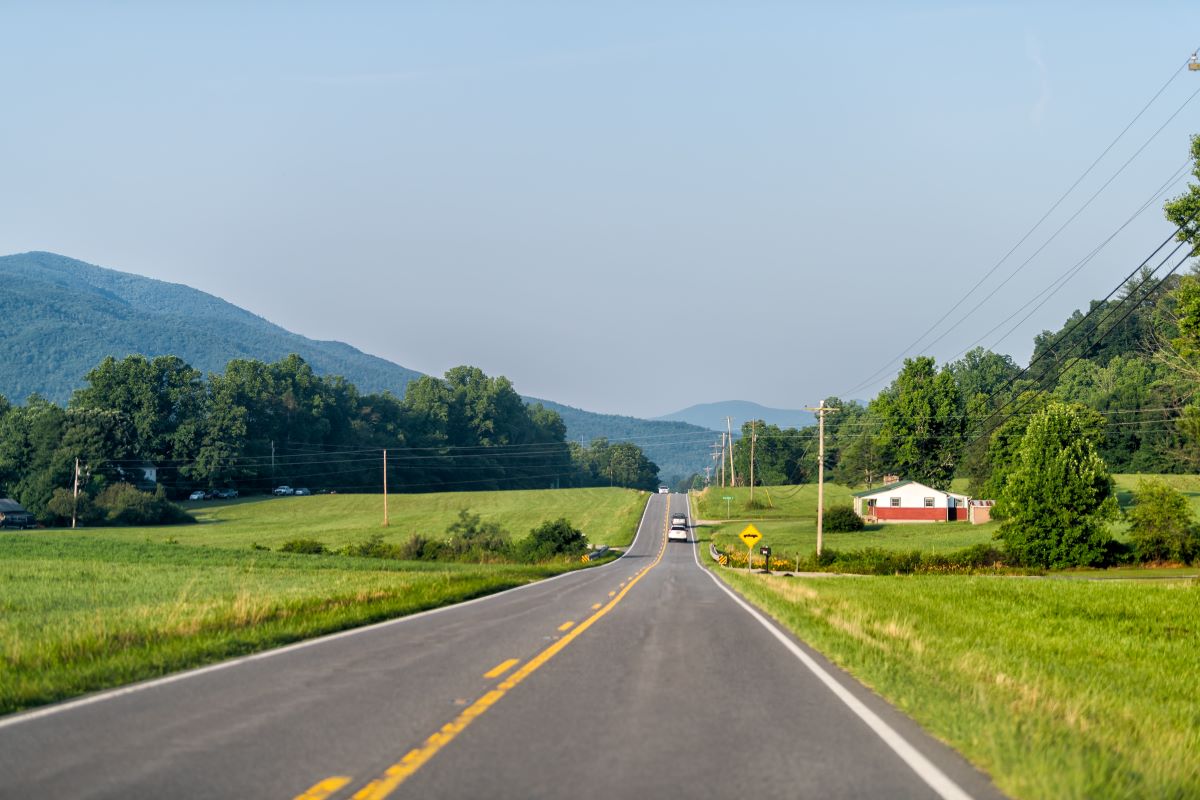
[(642, 678)]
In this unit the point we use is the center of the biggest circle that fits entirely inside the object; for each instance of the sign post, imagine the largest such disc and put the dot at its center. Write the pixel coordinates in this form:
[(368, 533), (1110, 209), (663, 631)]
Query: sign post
[(749, 537), (727, 498)]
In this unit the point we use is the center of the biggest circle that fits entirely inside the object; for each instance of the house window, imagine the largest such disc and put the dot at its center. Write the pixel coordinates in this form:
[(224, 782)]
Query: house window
[(929, 502), (895, 502)]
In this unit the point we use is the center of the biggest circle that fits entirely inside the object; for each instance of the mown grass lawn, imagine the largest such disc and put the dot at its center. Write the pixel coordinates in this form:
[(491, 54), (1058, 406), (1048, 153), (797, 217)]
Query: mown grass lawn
[(1064, 689), (91, 609), (605, 515), (79, 613)]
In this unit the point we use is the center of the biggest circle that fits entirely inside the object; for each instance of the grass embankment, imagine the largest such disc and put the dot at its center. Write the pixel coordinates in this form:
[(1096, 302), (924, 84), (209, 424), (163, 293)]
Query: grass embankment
[(1056, 688), (81, 611)]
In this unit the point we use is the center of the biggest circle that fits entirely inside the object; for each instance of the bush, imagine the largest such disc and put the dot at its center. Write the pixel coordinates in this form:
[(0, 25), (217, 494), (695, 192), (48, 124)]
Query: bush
[(124, 504), (841, 519), (472, 539), (309, 547), (373, 547), (1162, 526), (552, 539), (64, 500)]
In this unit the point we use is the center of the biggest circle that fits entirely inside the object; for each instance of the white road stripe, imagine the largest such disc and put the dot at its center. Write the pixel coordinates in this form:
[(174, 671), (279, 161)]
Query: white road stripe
[(112, 694), (925, 769)]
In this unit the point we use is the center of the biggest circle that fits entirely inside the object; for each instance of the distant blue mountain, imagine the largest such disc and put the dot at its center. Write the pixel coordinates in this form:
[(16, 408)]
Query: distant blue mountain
[(712, 415)]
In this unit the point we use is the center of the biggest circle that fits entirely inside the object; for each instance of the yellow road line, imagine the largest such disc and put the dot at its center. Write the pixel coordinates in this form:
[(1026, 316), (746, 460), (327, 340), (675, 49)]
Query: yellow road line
[(501, 668), (322, 789), (611, 594), (416, 758), (566, 625), (595, 606)]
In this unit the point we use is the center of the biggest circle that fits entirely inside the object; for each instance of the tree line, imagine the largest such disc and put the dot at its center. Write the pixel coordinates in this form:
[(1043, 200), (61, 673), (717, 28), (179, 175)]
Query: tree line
[(159, 422)]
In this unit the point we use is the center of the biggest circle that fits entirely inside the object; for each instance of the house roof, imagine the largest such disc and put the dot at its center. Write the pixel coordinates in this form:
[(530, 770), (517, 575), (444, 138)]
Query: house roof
[(889, 486), (884, 488), (10, 506)]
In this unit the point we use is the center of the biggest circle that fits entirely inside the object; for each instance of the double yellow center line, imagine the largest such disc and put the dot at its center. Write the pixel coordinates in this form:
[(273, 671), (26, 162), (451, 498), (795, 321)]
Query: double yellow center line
[(416, 758)]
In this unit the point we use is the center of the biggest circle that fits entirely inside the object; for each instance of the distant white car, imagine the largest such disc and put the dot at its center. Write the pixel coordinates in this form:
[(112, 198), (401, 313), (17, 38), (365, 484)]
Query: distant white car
[(302, 492), (199, 494), (679, 519), (664, 489), (677, 533), (284, 491)]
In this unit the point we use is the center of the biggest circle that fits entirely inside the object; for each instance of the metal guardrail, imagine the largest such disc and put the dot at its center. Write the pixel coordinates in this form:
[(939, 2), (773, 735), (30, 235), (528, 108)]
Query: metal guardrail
[(717, 555), (597, 553)]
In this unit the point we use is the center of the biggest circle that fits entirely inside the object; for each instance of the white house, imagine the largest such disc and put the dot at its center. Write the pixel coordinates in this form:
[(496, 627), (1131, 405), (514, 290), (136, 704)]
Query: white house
[(909, 501)]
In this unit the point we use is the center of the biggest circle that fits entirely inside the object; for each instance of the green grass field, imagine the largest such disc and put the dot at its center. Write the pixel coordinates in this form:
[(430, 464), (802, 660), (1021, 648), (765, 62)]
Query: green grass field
[(606, 516), (91, 609), (1072, 689)]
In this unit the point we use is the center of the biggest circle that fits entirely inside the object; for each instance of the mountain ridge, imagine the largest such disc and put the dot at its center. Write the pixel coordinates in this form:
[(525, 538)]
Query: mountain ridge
[(711, 416), (59, 317)]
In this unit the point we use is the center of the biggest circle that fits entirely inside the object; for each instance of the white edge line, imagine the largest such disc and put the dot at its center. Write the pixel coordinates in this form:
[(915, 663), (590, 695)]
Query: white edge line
[(926, 770), (112, 694)]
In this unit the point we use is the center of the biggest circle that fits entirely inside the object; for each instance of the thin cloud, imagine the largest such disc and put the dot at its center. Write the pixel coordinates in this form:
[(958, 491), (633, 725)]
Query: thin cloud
[(1033, 51)]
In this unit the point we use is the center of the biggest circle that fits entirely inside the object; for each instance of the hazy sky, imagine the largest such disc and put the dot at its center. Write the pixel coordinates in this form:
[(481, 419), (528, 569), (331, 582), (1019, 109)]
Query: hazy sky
[(628, 207)]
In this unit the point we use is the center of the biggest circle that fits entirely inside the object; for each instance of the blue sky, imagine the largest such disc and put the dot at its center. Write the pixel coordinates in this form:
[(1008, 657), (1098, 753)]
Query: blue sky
[(628, 207)]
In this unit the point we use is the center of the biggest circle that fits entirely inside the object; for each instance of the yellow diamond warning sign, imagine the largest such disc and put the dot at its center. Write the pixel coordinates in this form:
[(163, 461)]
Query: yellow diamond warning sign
[(750, 536)]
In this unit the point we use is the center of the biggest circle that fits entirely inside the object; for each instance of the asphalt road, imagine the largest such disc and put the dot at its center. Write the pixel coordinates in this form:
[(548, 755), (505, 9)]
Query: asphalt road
[(642, 678)]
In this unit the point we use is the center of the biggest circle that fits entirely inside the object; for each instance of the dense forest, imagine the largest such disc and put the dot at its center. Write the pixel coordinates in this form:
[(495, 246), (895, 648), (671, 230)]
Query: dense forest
[(257, 425)]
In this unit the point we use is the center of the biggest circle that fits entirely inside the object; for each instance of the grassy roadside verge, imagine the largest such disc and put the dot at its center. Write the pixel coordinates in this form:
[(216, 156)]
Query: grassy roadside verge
[(79, 613), (1056, 688)]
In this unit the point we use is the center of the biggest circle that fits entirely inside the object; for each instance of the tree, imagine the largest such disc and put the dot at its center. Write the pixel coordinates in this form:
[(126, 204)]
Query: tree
[(861, 462), (1058, 495), (921, 422), (1162, 525)]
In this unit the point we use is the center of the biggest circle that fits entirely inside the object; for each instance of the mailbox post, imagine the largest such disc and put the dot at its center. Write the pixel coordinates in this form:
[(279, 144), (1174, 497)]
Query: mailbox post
[(766, 554)]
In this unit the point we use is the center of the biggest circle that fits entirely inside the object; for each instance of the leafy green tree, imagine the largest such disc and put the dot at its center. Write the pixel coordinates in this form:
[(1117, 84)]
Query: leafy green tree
[(1162, 525), (1058, 495), (781, 455), (551, 539), (921, 424), (982, 372), (862, 460)]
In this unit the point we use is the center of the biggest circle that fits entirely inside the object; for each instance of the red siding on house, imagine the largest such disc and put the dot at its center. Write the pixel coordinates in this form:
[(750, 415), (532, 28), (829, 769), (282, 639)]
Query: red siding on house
[(883, 513)]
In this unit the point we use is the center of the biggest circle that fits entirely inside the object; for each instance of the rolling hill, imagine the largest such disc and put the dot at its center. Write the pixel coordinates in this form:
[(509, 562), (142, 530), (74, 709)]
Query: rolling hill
[(712, 415), (59, 317)]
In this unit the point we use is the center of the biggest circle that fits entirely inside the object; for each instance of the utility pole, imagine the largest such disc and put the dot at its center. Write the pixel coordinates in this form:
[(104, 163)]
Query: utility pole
[(75, 497), (753, 439), (272, 462), (732, 473), (821, 410), (722, 459), (707, 475), (385, 507)]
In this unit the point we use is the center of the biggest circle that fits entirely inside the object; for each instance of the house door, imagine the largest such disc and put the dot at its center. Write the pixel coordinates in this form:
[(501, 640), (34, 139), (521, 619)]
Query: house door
[(951, 509)]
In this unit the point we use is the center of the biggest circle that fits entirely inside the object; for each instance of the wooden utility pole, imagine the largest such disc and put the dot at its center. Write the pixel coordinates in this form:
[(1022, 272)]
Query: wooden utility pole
[(753, 439), (820, 410), (722, 459), (732, 472), (75, 496), (385, 507)]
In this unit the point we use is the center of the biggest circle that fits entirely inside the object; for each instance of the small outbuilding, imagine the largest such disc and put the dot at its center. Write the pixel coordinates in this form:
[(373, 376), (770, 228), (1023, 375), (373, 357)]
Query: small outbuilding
[(909, 501), (12, 515)]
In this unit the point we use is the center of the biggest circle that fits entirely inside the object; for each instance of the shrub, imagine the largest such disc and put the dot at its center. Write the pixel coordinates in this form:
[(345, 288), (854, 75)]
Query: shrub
[(373, 547), (124, 504), (1162, 526), (552, 539), (473, 539), (306, 546), (841, 519), (64, 500)]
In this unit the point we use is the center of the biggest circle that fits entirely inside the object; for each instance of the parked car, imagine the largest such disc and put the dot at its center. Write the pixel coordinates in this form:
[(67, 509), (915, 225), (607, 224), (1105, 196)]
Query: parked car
[(225, 494), (283, 491), (677, 533), (301, 492), (199, 494)]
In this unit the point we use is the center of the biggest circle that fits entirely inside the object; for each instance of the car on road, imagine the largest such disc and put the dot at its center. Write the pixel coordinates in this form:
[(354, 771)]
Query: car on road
[(677, 533), (679, 519), (225, 494), (283, 491), (664, 489), (301, 492), (199, 494)]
